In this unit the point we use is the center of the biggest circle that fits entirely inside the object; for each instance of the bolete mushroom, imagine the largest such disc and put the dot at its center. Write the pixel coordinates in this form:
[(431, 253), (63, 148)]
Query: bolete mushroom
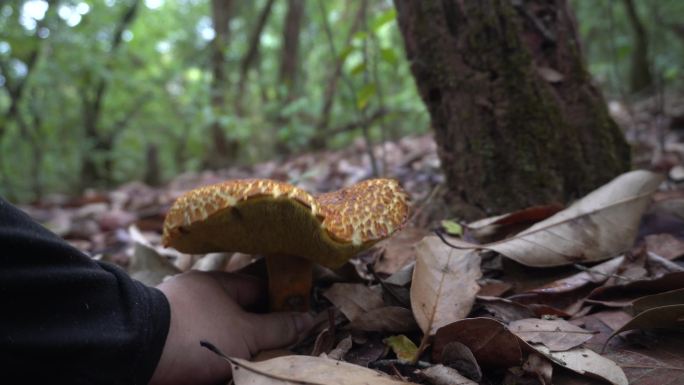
[(289, 226)]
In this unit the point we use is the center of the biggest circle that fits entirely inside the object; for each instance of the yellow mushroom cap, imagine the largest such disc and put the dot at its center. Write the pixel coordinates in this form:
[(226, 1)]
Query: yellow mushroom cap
[(262, 216)]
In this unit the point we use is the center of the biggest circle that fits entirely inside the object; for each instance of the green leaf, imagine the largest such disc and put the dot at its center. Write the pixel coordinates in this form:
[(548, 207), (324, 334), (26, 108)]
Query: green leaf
[(389, 55), (452, 228), (403, 347), (364, 95), (345, 52), (361, 35), (384, 18), (358, 69)]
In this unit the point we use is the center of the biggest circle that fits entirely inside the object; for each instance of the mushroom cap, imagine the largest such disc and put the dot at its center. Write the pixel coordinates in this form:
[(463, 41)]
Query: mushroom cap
[(262, 216)]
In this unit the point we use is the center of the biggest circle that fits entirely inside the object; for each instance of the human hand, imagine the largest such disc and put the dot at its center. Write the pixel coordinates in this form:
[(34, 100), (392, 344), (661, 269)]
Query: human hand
[(209, 306)]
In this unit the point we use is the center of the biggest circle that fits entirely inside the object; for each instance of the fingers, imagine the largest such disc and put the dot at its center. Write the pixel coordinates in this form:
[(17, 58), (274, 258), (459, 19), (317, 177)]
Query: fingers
[(245, 290), (277, 330)]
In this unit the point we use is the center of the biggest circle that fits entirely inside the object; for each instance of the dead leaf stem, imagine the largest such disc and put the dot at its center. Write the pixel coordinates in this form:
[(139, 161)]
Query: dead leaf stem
[(219, 353)]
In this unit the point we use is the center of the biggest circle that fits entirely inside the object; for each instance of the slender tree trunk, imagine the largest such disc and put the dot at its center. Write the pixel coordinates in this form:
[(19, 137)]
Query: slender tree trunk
[(640, 78), (252, 53), (516, 118), (222, 151), (289, 55), (95, 172), (288, 75), (318, 141)]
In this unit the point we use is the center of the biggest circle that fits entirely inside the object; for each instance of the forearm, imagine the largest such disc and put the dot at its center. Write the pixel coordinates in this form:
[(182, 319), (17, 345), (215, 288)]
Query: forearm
[(77, 320)]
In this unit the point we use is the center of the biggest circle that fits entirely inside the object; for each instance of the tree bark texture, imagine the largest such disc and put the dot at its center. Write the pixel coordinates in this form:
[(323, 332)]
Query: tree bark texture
[(94, 172), (222, 151), (252, 53), (640, 78), (318, 140), (289, 56), (516, 118)]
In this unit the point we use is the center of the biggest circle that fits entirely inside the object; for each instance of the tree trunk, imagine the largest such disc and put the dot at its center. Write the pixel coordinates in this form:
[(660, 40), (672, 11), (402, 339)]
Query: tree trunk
[(289, 55), (516, 118), (318, 140), (94, 172), (252, 52), (640, 78), (222, 151)]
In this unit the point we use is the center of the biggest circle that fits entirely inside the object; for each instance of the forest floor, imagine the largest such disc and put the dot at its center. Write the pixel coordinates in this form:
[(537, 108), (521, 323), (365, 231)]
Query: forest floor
[(533, 324)]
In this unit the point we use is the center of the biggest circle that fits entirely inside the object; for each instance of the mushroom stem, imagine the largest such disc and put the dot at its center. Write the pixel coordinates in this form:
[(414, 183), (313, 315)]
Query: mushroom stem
[(289, 282)]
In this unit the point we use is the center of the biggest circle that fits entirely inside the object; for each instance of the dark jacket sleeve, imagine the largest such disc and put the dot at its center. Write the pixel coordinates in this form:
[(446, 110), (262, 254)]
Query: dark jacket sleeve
[(67, 319)]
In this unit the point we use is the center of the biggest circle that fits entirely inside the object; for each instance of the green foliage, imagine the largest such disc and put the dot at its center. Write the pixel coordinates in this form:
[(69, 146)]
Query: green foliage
[(157, 87), (157, 83), (608, 40)]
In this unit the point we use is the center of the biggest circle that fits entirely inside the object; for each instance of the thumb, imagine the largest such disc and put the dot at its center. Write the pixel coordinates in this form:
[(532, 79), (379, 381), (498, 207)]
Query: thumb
[(277, 330)]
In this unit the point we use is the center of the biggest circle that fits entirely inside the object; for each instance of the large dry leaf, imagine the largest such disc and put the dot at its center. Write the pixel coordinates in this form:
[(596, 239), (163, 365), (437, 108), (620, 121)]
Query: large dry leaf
[(599, 226), (390, 319), (306, 370), (444, 284), (586, 362), (490, 341), (557, 335), (444, 375), (664, 317), (398, 251), (148, 266), (595, 275), (354, 299), (496, 228), (673, 297)]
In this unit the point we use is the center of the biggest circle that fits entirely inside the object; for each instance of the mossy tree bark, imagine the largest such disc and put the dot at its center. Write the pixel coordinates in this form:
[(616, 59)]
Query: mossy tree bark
[(516, 118)]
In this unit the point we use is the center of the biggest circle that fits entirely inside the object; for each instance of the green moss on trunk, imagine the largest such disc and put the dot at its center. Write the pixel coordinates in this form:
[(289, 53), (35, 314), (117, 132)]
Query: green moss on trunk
[(507, 138)]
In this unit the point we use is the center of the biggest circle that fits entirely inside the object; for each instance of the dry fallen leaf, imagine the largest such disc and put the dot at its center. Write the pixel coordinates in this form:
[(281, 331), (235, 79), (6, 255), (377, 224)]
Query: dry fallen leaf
[(341, 349), (354, 299), (666, 245), (504, 309), (601, 225), (673, 297), (664, 317), (492, 344), (306, 370), (540, 366), (623, 295), (398, 251), (557, 335), (501, 226), (148, 266), (586, 362), (594, 275), (391, 319), (444, 375), (444, 284), (458, 356)]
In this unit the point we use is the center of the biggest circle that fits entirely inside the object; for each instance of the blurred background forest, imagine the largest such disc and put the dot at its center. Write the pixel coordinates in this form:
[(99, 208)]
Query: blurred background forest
[(98, 93)]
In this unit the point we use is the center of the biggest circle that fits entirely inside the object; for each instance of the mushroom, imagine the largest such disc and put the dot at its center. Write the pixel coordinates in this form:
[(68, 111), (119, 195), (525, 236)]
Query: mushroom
[(289, 226)]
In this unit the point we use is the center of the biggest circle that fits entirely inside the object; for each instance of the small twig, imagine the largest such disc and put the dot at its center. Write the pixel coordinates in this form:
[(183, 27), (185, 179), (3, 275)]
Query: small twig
[(425, 202), (559, 331), (590, 271), (387, 288), (397, 372), (389, 362), (440, 233), (234, 362)]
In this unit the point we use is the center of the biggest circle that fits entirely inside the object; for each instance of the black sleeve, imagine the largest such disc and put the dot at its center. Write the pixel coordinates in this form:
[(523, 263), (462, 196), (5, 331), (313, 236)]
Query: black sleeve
[(67, 319)]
